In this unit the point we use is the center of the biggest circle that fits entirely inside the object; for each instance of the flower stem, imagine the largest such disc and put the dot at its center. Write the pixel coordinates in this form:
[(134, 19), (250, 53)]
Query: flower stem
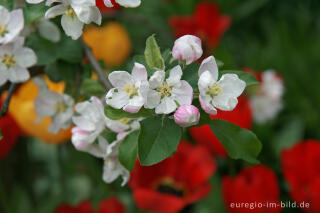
[(6, 103)]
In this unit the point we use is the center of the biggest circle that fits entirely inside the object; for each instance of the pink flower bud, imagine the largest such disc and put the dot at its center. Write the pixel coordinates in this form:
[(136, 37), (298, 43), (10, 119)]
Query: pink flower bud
[(187, 47), (187, 115)]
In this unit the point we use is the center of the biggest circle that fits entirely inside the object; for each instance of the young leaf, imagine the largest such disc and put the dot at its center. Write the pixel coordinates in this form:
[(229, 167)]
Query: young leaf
[(33, 12), (247, 77), (128, 150), (239, 143), (117, 114), (158, 139), (153, 55)]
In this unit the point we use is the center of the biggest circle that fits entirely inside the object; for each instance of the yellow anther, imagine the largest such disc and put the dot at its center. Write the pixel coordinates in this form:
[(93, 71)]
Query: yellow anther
[(125, 121), (165, 90), (215, 89), (131, 90), (3, 30), (9, 60), (61, 107)]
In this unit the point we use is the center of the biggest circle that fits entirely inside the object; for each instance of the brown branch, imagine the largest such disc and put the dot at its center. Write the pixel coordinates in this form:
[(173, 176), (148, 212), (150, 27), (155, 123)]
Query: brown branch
[(96, 66), (6, 103)]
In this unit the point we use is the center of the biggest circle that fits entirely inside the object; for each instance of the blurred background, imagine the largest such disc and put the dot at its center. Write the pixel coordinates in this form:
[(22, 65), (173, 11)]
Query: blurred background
[(40, 171)]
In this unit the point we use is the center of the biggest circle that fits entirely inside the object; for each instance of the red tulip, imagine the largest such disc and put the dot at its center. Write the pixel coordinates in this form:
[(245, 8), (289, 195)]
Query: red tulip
[(241, 116), (301, 168), (206, 23), (172, 184), (10, 134), (254, 186)]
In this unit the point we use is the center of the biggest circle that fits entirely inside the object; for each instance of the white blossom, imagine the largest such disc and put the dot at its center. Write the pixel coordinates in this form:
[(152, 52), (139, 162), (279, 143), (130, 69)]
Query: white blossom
[(54, 105), (220, 94), (75, 13), (89, 124), (11, 24), (130, 89), (165, 95), (188, 48), (14, 61), (112, 168), (267, 102), (124, 3)]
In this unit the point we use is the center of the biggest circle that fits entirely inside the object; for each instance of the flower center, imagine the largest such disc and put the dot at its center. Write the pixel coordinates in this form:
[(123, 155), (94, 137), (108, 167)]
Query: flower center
[(125, 121), (61, 107), (131, 90), (214, 90), (70, 12), (3, 30), (169, 186), (165, 90), (9, 60)]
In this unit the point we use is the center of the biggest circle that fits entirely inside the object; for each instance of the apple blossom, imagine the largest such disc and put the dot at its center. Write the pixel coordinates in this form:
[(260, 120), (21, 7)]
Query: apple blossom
[(188, 48), (187, 115), (165, 95), (89, 124), (112, 168), (123, 125), (14, 61), (11, 24), (124, 3), (130, 90), (220, 94), (54, 105), (75, 14), (267, 103)]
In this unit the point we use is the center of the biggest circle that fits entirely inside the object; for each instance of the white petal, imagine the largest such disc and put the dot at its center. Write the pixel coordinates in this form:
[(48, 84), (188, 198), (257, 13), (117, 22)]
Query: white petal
[(15, 24), (209, 64), (72, 26), (183, 94), (225, 102), (157, 79), (166, 106), (153, 99), (49, 30), (87, 14), (175, 76), (129, 3), (45, 103), (4, 15), (139, 72), (108, 3), (117, 98), (232, 85), (134, 104), (34, 1), (41, 83), (120, 78), (3, 76), (205, 80), (205, 102), (25, 57), (18, 74), (56, 11)]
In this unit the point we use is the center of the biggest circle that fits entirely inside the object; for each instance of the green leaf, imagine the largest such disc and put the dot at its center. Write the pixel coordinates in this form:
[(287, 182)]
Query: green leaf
[(239, 143), (158, 139), (109, 135), (7, 3), (33, 12), (117, 114), (190, 74), (128, 150), (92, 87), (153, 55), (247, 77)]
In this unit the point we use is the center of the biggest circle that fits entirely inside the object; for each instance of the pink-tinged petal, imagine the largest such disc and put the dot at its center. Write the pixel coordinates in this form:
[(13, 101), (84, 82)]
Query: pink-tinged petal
[(209, 64), (206, 106), (139, 72)]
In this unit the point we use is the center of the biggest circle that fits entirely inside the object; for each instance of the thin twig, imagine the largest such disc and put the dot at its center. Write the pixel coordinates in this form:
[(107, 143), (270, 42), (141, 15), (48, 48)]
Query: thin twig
[(96, 66), (6, 103)]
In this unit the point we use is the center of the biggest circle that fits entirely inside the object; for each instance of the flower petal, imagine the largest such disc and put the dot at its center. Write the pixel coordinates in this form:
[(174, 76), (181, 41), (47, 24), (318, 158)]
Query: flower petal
[(120, 78), (25, 57), (209, 64), (139, 72), (205, 80), (56, 11), (129, 3), (183, 94), (206, 105), (153, 99), (117, 98), (166, 106), (72, 26), (134, 104), (175, 76), (225, 102), (18, 74), (232, 85), (157, 79)]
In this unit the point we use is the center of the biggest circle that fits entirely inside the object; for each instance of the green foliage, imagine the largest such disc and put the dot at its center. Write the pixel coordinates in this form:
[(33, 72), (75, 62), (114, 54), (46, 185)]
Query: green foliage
[(239, 143), (7, 3), (33, 12), (48, 52), (158, 139), (128, 150), (246, 77), (153, 55), (117, 114), (91, 87)]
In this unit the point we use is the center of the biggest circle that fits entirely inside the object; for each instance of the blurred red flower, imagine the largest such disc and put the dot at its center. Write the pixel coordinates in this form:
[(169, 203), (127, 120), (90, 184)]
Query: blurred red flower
[(301, 168), (253, 186), (10, 132), (241, 116), (206, 23), (103, 8), (110, 205), (175, 182)]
